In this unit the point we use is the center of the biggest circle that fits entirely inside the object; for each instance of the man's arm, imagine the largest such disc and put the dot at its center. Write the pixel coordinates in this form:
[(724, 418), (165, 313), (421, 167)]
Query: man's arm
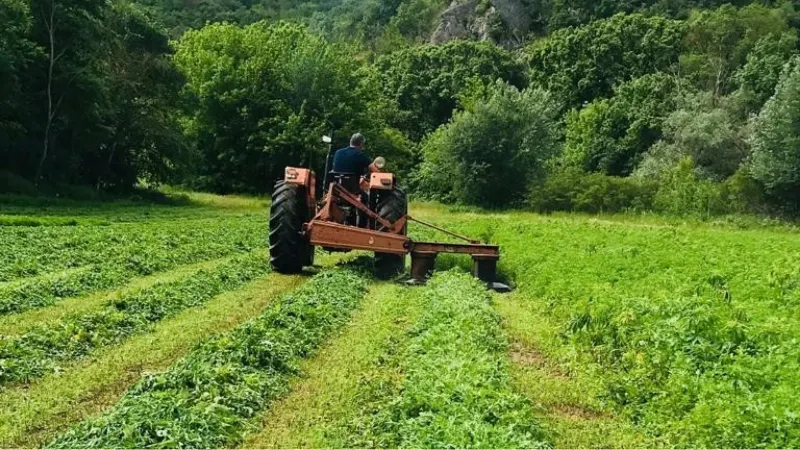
[(366, 162)]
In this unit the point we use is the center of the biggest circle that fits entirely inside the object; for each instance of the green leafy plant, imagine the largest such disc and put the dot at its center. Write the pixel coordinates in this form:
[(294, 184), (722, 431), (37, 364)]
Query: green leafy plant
[(776, 140), (38, 351), (494, 149), (101, 258), (206, 399), (453, 388)]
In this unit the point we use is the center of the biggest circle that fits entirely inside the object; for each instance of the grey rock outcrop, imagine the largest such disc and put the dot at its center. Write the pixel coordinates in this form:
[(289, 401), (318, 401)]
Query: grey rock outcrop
[(504, 22)]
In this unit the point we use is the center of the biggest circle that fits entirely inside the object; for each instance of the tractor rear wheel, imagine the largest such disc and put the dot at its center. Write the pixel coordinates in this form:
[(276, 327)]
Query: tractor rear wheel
[(392, 206), (289, 250)]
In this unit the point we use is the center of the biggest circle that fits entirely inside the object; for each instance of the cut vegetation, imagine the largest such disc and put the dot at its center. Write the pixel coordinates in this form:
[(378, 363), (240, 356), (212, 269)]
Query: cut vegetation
[(38, 350), (446, 384), (32, 415), (621, 332), (206, 399)]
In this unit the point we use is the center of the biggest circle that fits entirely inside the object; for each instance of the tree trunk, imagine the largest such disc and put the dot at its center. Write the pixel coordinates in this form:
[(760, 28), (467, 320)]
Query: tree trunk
[(51, 109), (108, 163)]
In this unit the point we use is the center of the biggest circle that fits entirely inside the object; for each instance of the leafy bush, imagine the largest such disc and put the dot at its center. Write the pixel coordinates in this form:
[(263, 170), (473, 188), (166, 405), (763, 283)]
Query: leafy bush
[(717, 42), (206, 399), (582, 64), (575, 190), (261, 96), (490, 153), (426, 82), (455, 392), (762, 71), (680, 191), (610, 135), (704, 129), (775, 161)]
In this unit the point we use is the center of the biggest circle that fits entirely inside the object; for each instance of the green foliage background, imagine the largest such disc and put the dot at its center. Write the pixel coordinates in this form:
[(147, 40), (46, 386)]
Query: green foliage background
[(222, 94)]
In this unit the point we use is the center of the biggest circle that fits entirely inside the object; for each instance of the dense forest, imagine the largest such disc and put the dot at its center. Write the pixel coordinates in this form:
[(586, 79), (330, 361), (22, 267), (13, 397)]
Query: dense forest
[(679, 106)]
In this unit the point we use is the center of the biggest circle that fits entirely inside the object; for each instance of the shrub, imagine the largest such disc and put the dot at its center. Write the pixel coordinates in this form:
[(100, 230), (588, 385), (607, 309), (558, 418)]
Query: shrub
[(491, 151), (582, 64), (14, 184), (610, 135), (681, 192), (426, 81), (261, 97), (717, 42), (775, 161), (574, 190), (760, 74), (705, 129)]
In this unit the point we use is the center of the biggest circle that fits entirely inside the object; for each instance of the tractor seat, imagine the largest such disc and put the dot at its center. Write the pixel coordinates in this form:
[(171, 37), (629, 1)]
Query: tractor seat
[(349, 181)]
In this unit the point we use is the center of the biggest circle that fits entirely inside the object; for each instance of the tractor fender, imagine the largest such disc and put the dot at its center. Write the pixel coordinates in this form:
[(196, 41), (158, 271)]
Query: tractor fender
[(381, 181), (306, 178)]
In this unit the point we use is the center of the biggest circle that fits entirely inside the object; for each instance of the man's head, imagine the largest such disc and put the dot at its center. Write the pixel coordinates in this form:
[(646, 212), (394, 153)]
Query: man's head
[(357, 141)]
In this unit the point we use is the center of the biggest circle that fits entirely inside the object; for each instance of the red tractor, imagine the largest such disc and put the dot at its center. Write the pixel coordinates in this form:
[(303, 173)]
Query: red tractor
[(358, 213)]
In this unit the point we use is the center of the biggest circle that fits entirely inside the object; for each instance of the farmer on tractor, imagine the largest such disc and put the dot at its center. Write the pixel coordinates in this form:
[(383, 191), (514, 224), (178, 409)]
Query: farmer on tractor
[(353, 159), (362, 208)]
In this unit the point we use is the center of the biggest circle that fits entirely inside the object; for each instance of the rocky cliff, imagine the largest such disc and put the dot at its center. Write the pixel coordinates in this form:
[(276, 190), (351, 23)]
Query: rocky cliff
[(505, 22)]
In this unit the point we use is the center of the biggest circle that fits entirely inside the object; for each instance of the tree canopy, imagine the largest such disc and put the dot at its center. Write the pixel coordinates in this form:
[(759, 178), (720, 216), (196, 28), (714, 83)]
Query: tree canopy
[(584, 63), (590, 105)]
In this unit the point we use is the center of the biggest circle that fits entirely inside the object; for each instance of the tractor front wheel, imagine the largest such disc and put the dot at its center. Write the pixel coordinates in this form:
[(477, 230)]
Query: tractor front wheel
[(289, 250), (392, 206)]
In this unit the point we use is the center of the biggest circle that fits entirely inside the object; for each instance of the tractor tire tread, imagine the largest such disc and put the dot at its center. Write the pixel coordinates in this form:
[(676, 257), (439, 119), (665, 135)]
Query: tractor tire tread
[(392, 207), (288, 249)]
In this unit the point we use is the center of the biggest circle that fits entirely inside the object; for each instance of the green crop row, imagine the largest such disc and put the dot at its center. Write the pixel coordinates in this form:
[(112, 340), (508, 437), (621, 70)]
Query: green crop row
[(127, 262), (40, 350), (206, 399), (448, 386), (690, 333), (695, 332), (26, 252)]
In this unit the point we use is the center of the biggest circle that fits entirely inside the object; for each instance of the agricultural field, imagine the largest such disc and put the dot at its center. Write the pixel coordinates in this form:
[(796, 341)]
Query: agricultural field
[(133, 325)]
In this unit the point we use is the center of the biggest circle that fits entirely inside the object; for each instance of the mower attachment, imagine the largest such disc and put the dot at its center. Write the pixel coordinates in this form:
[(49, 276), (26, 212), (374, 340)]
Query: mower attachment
[(371, 217), (484, 261)]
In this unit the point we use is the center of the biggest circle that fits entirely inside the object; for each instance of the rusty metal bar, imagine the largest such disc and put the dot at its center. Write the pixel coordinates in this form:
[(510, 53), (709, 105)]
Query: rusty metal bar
[(355, 201), (334, 235), (437, 228), (465, 249)]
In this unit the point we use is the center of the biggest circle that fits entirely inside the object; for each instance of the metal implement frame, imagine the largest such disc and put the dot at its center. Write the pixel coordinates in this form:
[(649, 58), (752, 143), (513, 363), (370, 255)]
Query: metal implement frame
[(325, 230)]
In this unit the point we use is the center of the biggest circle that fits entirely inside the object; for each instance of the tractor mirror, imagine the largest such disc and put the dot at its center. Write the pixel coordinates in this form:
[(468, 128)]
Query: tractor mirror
[(327, 139), (380, 162)]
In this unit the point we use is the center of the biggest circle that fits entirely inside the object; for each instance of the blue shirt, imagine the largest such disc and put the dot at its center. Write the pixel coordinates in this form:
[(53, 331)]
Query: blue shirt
[(351, 160)]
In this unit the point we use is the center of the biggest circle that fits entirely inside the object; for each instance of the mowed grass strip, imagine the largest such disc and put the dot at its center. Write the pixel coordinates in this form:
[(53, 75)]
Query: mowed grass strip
[(568, 400), (447, 385), (15, 324), (33, 415), (107, 258), (325, 398), (42, 349), (206, 399)]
